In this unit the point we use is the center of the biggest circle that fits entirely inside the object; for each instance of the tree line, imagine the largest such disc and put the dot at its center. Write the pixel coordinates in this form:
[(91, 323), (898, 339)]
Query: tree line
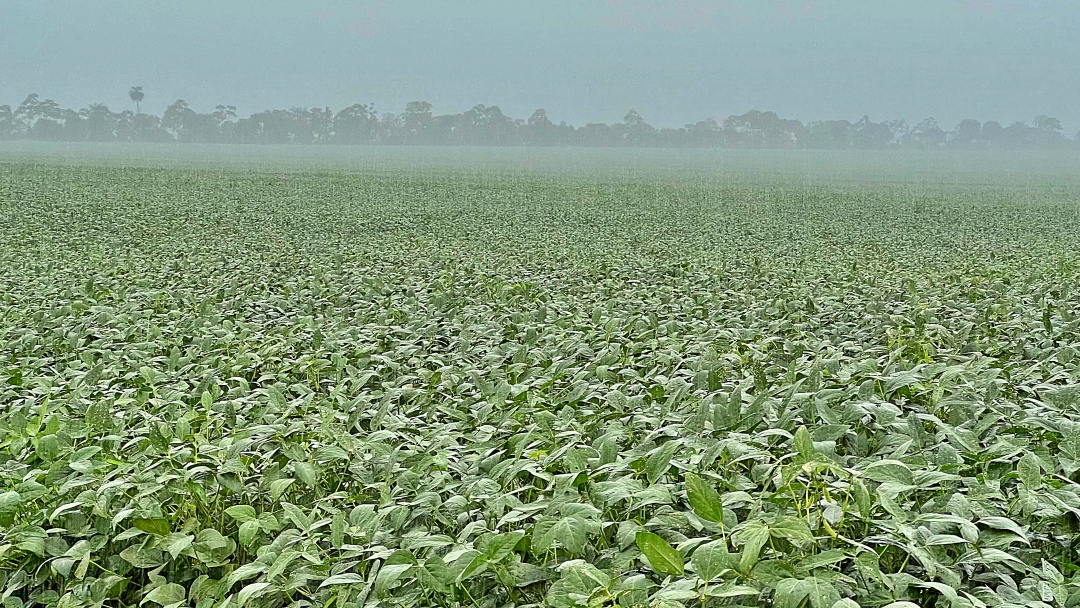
[(361, 124)]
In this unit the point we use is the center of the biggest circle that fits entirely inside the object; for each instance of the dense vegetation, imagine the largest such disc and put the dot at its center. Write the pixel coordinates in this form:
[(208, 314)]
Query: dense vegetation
[(361, 124), (245, 388)]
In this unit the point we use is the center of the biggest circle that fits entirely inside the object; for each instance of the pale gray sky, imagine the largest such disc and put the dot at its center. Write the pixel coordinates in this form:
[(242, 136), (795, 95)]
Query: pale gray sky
[(675, 61)]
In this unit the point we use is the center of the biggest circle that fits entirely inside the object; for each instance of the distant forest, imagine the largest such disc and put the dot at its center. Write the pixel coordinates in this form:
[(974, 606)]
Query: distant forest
[(361, 124)]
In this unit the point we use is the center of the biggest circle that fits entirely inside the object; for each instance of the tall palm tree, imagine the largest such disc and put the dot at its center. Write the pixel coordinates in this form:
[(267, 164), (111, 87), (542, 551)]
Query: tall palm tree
[(136, 95)]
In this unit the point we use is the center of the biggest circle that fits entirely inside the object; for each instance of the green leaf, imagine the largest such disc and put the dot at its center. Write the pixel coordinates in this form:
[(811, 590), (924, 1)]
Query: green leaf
[(176, 543), (142, 557), (579, 581), (401, 556), (64, 509), (1070, 443), (305, 472), (862, 498), (211, 548), (791, 592), (343, 579), (281, 562), (935, 540), (1029, 472), (804, 444), (729, 590), (296, 516), (1004, 523), (278, 487), (499, 546), (792, 528), (711, 559), (434, 575), (886, 471), (9, 502), (80, 552), (752, 536), (475, 564), (946, 591), (663, 558), (899, 381), (268, 523), (62, 566), (250, 592), (988, 555), (822, 594), (245, 572), (248, 531), (337, 530), (159, 527), (330, 453), (388, 577), (526, 574), (242, 513), (660, 460), (672, 593), (704, 499), (570, 532), (825, 558), (166, 595)]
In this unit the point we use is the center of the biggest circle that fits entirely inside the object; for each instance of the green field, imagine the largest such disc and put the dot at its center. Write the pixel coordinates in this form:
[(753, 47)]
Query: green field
[(505, 379)]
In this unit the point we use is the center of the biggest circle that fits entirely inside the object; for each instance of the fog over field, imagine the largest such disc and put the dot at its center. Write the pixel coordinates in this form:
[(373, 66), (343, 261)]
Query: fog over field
[(911, 167)]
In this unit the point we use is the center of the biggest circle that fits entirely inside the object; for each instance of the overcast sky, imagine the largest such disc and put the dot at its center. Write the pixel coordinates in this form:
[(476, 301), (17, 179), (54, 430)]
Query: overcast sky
[(675, 61)]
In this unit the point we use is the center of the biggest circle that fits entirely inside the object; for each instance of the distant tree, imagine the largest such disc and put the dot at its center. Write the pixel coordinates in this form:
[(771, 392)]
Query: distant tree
[(136, 95), (899, 130), (100, 123), (871, 135), (596, 134), (224, 113), (1016, 136), (539, 119), (1049, 133), (223, 122), (277, 127), (177, 116), (415, 121), (762, 130), (355, 124), (1048, 124), (636, 131), (487, 125), (829, 135), (73, 125), (483, 125), (7, 123), (703, 134), (40, 119), (926, 134), (321, 124), (966, 134), (992, 135), (538, 130), (140, 127), (187, 125)]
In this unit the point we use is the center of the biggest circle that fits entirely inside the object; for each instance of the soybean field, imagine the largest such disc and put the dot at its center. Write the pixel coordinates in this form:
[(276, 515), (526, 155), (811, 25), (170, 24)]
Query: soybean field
[(508, 384)]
